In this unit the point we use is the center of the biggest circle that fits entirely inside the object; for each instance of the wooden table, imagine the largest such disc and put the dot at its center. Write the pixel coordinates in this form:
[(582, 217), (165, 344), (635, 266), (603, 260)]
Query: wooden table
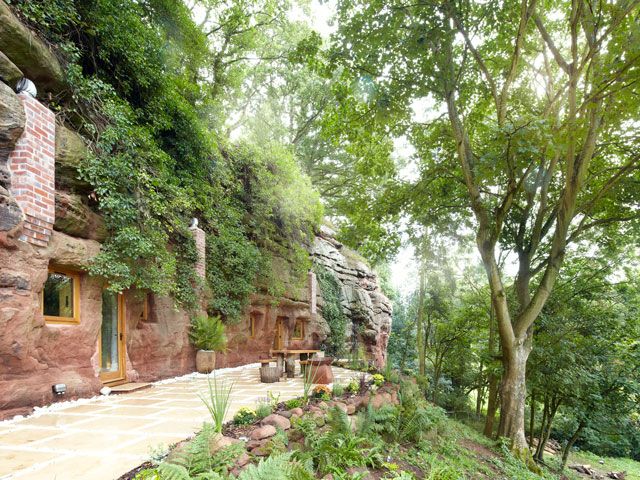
[(284, 354)]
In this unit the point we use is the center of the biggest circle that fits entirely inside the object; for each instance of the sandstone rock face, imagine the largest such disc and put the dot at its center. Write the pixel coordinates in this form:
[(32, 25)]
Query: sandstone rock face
[(30, 54), (9, 73), (12, 120), (366, 307), (75, 217), (71, 150)]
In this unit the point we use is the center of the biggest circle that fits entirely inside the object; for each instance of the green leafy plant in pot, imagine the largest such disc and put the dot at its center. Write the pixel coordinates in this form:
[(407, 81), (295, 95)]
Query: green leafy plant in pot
[(207, 335)]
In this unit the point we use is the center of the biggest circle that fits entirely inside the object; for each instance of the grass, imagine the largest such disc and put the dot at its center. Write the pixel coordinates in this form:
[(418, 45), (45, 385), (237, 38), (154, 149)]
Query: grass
[(610, 464)]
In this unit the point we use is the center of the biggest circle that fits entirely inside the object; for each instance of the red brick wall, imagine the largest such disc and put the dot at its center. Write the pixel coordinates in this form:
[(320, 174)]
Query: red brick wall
[(32, 167)]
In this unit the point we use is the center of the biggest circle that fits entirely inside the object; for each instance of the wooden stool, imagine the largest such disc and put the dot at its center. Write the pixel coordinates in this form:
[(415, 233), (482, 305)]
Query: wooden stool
[(269, 374)]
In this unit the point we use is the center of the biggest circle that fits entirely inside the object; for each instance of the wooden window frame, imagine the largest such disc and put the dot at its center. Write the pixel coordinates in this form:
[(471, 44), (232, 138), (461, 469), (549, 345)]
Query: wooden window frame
[(293, 332), (75, 320), (252, 325)]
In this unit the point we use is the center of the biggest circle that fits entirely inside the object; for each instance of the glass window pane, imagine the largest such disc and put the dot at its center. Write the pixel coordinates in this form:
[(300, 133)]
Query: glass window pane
[(58, 296)]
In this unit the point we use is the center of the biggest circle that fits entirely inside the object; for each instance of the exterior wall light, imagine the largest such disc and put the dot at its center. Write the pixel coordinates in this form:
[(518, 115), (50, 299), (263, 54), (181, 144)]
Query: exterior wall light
[(27, 86), (59, 388)]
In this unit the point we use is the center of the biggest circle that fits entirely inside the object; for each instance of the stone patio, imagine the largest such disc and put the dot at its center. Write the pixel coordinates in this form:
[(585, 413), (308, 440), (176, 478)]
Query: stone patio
[(103, 438)]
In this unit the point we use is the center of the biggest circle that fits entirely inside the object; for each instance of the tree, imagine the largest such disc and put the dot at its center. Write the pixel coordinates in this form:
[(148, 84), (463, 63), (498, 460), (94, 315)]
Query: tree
[(535, 139)]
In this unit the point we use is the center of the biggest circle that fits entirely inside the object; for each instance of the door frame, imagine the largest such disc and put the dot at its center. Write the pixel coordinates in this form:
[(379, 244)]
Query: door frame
[(120, 375)]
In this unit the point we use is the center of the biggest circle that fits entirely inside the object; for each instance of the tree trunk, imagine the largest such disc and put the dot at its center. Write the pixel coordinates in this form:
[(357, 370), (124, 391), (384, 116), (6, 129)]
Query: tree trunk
[(543, 424), (572, 440), (492, 401), (553, 409), (480, 396), (420, 322), (532, 416), (512, 397)]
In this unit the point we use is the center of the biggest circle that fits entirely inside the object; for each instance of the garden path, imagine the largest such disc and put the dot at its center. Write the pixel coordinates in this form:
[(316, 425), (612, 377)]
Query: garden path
[(105, 437)]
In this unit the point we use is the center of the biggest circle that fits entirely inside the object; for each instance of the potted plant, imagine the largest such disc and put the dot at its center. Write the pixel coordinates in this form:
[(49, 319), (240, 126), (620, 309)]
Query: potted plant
[(207, 335)]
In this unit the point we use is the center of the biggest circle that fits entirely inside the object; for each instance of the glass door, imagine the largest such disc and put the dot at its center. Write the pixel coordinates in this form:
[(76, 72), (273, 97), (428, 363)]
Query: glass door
[(112, 338)]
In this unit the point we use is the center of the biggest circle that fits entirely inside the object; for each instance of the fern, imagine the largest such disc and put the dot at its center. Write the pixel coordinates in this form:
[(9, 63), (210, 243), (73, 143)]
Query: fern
[(172, 471), (277, 467)]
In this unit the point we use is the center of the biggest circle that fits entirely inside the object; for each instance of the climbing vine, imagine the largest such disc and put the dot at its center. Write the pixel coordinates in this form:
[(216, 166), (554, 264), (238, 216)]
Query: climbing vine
[(332, 311), (137, 94)]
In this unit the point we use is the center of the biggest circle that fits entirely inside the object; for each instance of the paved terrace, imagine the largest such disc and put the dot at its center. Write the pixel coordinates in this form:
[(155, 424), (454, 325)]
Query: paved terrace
[(103, 438)]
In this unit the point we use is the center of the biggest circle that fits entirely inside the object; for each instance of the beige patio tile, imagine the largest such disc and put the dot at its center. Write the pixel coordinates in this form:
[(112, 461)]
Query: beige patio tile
[(134, 411), (53, 420), (87, 408), (22, 436), (147, 445), (12, 461), (141, 401), (93, 467), (94, 441), (112, 423), (172, 427)]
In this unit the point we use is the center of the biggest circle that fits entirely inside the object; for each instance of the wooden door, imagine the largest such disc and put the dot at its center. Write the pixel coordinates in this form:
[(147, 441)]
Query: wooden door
[(112, 338), (279, 343)]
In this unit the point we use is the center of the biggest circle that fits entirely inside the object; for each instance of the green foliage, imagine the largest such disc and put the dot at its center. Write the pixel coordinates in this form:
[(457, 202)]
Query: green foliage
[(263, 410), (245, 416), (277, 467), (196, 461), (217, 400), (294, 403), (332, 311), (207, 333), (141, 95), (377, 379), (353, 386), (338, 390)]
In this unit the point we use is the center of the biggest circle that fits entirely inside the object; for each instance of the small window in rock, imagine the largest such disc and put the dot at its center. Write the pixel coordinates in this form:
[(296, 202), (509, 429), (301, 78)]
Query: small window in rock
[(252, 325), (298, 330), (60, 299)]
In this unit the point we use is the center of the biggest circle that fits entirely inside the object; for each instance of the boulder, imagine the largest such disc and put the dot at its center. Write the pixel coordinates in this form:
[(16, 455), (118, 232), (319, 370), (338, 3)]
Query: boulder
[(298, 412), (242, 460), (11, 126), (265, 431), (29, 53), (351, 409), (10, 219), (219, 441), (71, 151), (9, 73), (277, 421), (75, 217)]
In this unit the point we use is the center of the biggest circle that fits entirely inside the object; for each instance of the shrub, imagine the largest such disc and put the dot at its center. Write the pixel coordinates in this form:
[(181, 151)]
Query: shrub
[(207, 333), (321, 391), (293, 403), (245, 416), (353, 386), (263, 409), (338, 390), (377, 379), (217, 400)]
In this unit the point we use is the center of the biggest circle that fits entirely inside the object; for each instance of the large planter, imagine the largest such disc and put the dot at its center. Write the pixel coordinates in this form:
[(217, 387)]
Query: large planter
[(319, 371), (205, 361)]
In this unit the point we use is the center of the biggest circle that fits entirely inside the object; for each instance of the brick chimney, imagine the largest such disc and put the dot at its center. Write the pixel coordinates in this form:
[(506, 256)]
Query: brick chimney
[(32, 167)]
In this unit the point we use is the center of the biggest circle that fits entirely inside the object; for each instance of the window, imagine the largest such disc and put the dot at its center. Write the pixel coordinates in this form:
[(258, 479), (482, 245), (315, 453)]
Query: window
[(298, 330), (252, 325), (60, 299)]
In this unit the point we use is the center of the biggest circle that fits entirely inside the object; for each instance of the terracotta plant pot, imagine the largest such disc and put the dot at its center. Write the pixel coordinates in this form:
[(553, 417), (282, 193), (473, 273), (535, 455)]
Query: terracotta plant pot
[(205, 361)]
